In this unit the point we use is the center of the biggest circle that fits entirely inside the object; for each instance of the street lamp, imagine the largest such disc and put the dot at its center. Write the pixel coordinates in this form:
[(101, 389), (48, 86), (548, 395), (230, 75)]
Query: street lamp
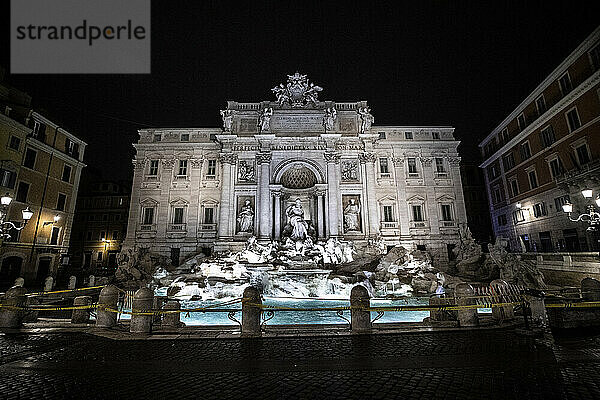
[(6, 226), (591, 217), (55, 219)]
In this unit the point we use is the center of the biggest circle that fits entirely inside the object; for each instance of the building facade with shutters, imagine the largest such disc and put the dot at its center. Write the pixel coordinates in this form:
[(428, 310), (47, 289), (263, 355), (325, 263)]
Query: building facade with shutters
[(41, 167), (544, 153), (210, 189)]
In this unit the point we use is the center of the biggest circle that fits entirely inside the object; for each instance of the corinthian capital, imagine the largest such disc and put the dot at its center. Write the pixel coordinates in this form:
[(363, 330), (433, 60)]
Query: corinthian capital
[(196, 162), (454, 161), (138, 164), (426, 161), (332, 157), (228, 158), (168, 162), (367, 157), (263, 158)]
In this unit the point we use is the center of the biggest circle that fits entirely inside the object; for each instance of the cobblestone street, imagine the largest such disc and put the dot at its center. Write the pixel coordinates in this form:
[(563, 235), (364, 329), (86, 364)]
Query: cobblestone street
[(465, 365)]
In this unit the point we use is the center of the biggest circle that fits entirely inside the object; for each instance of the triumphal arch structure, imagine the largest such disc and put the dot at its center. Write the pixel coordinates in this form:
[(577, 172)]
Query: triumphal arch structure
[(296, 165)]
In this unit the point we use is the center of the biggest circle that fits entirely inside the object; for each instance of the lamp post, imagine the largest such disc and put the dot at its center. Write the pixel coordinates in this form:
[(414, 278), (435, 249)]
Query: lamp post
[(519, 207), (6, 226), (592, 217)]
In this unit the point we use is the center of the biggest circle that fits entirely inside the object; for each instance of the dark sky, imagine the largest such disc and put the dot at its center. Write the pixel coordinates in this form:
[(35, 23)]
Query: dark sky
[(464, 64)]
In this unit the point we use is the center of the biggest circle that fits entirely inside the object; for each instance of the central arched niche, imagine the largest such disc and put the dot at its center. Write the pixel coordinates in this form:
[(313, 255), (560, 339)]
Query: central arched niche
[(298, 176)]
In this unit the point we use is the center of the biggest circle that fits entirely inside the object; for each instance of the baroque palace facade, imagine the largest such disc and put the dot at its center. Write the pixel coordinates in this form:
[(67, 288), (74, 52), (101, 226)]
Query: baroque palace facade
[(210, 189)]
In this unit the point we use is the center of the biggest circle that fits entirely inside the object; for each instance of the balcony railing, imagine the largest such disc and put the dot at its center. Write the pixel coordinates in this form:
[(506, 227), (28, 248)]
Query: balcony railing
[(389, 225), (208, 227), (178, 227), (419, 224), (148, 227), (448, 224)]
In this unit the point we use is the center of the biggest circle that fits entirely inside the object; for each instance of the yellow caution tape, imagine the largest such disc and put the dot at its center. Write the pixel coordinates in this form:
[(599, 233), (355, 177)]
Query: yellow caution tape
[(64, 291)]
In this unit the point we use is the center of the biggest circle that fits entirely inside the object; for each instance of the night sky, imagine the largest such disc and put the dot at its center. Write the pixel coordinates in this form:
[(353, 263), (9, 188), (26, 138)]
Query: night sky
[(464, 64)]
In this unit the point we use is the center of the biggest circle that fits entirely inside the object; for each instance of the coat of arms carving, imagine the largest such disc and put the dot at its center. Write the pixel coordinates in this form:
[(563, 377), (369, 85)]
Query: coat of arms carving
[(298, 92)]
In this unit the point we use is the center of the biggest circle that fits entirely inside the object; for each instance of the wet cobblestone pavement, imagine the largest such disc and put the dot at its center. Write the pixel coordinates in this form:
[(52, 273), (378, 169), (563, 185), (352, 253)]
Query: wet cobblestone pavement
[(452, 365)]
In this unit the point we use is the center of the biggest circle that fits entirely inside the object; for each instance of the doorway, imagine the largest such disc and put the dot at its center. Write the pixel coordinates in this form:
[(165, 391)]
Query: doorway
[(10, 270), (43, 269)]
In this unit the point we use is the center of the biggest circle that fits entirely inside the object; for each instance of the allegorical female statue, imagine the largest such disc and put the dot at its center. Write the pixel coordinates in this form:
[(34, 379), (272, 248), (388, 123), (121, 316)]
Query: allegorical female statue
[(295, 215), (246, 217), (352, 216)]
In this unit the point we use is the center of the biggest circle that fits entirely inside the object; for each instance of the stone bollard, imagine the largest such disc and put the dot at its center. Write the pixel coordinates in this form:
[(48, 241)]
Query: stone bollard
[(81, 316), (143, 300), (535, 298), (19, 282), (251, 313), (464, 297), (172, 320), (14, 297), (31, 302), (590, 289), (109, 296), (72, 282), (361, 318), (48, 284), (500, 293), (157, 304), (91, 281), (438, 315)]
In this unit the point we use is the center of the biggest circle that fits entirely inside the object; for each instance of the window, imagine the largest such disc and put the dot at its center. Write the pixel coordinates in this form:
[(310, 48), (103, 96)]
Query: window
[(99, 256), (22, 191), (435, 135), (533, 183), (502, 220), (412, 165), (89, 235), (525, 151), (540, 104), (440, 168), (417, 213), (508, 161), (561, 201), (582, 154), (178, 215), (7, 178), (148, 215), (60, 203), (153, 168), (115, 235), (493, 171), (521, 121), (30, 156), (212, 169), (185, 137), (595, 57), (66, 175), (383, 166), (498, 194), (381, 135), (539, 210), (446, 212), (388, 214), (102, 235), (408, 135), (182, 168), (157, 137), (504, 135), (71, 147), (209, 215), (104, 217), (573, 120), (514, 188), (15, 143), (547, 136), (54, 235), (556, 167), (518, 216), (565, 83)]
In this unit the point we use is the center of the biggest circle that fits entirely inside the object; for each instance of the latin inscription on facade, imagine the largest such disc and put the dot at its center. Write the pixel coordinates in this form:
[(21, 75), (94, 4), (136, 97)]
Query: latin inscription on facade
[(297, 123)]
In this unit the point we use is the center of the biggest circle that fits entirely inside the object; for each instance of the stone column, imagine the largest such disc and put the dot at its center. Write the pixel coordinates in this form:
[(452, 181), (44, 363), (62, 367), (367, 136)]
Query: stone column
[(403, 217), (193, 209), (134, 203), (264, 196), (81, 316), (464, 296), (460, 212), (333, 160), (277, 221), (109, 296), (432, 212), (161, 218), (320, 221), (142, 303), (14, 297), (370, 182), (361, 318), (251, 313), (226, 206)]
